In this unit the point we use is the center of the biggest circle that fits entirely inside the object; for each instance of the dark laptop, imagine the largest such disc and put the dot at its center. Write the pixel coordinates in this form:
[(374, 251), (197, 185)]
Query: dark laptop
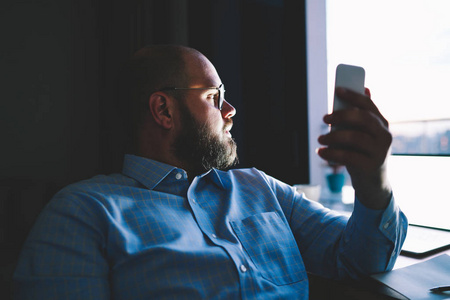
[(422, 241)]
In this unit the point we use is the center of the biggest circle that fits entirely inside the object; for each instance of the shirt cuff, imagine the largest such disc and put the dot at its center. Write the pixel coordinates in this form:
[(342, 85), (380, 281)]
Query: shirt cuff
[(376, 221)]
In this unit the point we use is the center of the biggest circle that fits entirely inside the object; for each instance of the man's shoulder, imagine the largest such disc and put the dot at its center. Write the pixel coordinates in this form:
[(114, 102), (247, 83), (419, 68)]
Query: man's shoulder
[(98, 184), (245, 172), (252, 175), (248, 174)]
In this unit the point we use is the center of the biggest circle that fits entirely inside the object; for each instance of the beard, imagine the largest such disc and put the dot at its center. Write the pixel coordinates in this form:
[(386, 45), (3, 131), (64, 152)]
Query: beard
[(200, 148)]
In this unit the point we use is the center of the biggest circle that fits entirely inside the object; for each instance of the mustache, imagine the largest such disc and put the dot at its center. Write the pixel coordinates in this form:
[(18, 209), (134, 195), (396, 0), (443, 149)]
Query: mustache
[(228, 125)]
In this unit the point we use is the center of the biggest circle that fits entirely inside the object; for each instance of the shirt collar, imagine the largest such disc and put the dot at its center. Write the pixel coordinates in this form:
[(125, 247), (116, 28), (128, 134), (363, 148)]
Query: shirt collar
[(215, 177), (150, 172), (147, 171)]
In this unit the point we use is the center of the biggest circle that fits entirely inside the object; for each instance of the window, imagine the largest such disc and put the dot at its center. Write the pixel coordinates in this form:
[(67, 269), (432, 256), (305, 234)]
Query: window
[(404, 46)]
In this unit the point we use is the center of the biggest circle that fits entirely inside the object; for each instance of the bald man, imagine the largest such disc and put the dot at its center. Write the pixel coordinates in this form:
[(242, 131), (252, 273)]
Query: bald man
[(175, 224)]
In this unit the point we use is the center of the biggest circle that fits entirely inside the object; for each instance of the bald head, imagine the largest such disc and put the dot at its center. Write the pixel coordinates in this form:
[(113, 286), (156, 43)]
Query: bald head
[(155, 67)]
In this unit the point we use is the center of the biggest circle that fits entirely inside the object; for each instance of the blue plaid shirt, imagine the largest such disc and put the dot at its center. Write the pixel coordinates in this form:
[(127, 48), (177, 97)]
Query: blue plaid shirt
[(149, 234)]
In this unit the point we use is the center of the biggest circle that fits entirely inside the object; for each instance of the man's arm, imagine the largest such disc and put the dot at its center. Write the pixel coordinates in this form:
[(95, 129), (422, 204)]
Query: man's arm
[(63, 256), (371, 239)]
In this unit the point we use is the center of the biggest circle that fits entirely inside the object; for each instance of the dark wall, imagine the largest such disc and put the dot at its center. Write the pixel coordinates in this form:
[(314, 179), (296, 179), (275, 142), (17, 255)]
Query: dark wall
[(59, 62), (49, 111), (274, 89), (49, 90)]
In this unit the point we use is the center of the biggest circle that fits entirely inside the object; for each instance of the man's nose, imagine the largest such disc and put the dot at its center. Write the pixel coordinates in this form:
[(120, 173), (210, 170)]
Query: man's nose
[(228, 110)]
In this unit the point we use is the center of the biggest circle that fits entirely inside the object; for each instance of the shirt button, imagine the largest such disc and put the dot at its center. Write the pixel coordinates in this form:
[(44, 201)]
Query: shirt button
[(243, 268), (214, 236), (178, 176), (194, 201), (386, 225)]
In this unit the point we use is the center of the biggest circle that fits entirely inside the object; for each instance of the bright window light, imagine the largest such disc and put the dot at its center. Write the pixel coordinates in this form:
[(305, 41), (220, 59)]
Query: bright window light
[(404, 45)]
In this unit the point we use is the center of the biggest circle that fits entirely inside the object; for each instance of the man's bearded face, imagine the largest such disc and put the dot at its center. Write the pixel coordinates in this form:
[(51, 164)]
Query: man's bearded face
[(202, 148)]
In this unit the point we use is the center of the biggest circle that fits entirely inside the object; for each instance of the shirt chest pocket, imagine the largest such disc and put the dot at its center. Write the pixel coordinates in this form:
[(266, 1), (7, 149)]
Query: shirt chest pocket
[(271, 246)]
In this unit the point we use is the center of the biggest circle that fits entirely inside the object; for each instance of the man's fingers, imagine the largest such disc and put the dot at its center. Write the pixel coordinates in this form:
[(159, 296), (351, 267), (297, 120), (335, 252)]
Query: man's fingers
[(362, 120), (360, 101), (350, 159), (351, 140)]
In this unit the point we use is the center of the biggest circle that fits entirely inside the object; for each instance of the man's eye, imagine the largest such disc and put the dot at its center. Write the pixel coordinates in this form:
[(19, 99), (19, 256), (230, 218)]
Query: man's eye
[(213, 97)]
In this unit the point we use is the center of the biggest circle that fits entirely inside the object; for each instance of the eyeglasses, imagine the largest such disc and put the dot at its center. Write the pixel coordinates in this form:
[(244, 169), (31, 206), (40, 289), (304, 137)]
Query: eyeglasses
[(220, 90)]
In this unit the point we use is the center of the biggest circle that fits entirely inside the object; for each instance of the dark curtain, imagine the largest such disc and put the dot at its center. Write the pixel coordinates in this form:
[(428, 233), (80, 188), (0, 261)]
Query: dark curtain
[(274, 90)]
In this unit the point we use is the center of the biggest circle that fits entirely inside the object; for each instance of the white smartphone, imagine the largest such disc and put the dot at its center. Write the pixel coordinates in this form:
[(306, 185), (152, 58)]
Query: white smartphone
[(349, 77)]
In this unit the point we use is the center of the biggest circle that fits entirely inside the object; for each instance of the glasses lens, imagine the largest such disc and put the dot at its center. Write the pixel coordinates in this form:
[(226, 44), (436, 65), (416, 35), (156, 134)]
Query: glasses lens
[(221, 96)]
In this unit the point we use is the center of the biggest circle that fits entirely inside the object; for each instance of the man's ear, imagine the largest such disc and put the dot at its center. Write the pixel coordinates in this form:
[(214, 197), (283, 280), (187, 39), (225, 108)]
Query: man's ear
[(161, 108)]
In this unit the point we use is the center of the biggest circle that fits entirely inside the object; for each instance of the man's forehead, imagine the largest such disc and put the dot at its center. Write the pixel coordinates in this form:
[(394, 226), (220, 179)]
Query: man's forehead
[(202, 72)]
